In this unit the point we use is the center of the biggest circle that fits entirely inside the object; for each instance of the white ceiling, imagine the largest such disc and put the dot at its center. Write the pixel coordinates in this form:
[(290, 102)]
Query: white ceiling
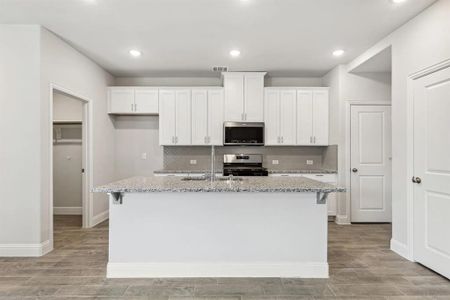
[(188, 37)]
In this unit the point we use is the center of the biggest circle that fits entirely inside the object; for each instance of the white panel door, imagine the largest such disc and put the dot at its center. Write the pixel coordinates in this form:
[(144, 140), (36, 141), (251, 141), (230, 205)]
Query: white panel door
[(121, 100), (320, 118), (288, 117), (432, 171), (234, 97), (254, 98), (272, 117), (371, 164), (146, 100), (304, 117), (183, 117), (215, 117), (199, 117), (167, 117)]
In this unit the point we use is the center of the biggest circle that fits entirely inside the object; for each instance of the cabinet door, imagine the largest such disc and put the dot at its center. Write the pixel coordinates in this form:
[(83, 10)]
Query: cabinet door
[(167, 117), (304, 117), (199, 117), (121, 100), (272, 117), (320, 118), (234, 97), (288, 117), (146, 101), (215, 117), (254, 98), (183, 117)]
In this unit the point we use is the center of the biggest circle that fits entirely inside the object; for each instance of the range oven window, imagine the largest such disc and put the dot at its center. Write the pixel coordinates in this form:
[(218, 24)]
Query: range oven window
[(244, 134)]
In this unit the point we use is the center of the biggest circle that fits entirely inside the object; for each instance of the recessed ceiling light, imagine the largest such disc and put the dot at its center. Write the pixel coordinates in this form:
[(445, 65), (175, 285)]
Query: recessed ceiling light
[(338, 52), (398, 1), (235, 53), (135, 53)]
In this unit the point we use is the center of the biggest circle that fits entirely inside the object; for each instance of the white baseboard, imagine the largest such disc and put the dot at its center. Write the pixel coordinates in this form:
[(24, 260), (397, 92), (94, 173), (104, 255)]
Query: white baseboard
[(401, 249), (343, 220), (67, 210), (25, 250), (171, 270), (103, 216)]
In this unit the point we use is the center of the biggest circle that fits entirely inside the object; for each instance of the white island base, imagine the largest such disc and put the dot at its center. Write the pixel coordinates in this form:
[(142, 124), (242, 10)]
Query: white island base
[(217, 234)]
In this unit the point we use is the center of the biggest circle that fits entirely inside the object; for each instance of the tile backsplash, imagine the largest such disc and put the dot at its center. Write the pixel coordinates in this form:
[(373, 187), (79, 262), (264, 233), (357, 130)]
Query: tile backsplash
[(289, 158)]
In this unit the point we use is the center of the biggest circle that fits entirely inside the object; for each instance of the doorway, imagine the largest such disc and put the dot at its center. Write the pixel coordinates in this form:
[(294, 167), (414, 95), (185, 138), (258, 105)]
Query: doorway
[(431, 169), (371, 163), (70, 167)]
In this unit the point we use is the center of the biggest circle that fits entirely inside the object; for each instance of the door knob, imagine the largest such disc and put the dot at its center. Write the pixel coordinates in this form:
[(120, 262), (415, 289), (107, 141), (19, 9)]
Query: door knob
[(354, 170), (417, 180)]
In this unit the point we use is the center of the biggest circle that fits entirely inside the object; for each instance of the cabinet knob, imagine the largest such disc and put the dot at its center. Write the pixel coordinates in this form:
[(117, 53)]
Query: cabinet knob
[(417, 180), (354, 170)]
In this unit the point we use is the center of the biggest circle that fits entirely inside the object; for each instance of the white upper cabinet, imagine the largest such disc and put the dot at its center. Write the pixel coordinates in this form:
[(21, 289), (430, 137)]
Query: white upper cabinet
[(121, 100), (280, 117), (312, 117), (207, 117), (253, 97), (146, 100), (215, 116), (244, 96), (321, 117), (175, 117), (131, 100)]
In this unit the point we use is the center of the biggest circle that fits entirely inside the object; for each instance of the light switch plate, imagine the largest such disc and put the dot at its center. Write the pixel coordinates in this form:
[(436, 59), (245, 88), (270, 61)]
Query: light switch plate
[(309, 162), (275, 162), (193, 162)]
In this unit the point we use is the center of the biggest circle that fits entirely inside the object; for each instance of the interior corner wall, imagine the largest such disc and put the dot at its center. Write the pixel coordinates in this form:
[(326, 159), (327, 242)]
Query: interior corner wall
[(19, 137), (410, 54), (67, 68)]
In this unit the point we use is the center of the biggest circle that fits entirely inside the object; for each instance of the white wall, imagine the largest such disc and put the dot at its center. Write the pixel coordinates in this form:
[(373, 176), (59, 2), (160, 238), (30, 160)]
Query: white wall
[(67, 159), (66, 108), (344, 87), (65, 67), (422, 42), (212, 81), (19, 136), (135, 135)]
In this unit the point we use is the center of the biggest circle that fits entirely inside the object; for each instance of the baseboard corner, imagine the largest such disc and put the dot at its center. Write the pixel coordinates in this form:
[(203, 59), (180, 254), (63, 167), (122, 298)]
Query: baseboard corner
[(342, 220), (97, 219), (401, 249)]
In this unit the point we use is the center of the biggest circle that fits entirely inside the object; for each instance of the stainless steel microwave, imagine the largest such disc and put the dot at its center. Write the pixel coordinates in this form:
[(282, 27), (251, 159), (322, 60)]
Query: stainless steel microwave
[(243, 134)]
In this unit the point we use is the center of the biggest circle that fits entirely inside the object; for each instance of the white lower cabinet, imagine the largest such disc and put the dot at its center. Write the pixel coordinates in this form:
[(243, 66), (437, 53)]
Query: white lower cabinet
[(207, 117), (327, 178), (174, 117)]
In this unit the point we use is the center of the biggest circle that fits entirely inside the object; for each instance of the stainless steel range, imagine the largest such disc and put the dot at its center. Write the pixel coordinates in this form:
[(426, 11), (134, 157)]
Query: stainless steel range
[(243, 165)]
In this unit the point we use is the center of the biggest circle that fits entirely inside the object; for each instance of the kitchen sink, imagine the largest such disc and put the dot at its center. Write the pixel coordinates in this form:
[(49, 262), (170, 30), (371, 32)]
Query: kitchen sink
[(202, 178)]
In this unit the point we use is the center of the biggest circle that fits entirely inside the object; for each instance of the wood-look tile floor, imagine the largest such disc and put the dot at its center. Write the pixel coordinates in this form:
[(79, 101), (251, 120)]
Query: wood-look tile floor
[(361, 267)]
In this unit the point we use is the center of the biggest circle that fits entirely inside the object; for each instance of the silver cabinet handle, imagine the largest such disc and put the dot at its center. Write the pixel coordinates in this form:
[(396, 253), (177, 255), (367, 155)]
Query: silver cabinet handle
[(282, 140), (135, 107), (310, 140), (314, 140), (132, 107)]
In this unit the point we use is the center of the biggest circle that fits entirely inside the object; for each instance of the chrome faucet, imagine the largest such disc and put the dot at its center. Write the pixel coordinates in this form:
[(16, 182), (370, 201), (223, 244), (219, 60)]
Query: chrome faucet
[(213, 156)]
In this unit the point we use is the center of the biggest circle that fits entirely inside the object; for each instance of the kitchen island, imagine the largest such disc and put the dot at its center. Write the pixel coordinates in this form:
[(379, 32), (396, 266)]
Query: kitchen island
[(239, 227)]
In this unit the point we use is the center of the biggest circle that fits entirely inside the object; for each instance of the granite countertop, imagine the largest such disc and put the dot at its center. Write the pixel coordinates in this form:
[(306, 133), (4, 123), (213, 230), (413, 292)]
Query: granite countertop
[(247, 184), (318, 171)]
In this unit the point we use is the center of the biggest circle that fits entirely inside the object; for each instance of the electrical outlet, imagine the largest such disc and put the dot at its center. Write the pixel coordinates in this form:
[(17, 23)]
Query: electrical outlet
[(193, 162), (144, 155), (309, 162), (275, 162)]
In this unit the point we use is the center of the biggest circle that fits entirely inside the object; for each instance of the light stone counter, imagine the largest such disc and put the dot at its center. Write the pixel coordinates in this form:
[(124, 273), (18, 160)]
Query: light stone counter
[(244, 184)]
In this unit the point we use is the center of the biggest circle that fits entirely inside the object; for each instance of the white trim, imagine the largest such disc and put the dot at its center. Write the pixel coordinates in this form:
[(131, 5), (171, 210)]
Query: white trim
[(25, 250), (410, 152), (97, 219), (67, 210), (171, 270), (87, 157), (348, 107), (342, 220), (401, 249)]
